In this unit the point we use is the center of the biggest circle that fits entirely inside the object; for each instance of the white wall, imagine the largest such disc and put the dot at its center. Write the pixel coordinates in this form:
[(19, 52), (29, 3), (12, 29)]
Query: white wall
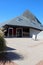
[(40, 35), (34, 32)]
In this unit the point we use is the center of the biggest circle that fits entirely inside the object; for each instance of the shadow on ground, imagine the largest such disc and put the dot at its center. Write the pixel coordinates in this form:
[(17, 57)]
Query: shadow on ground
[(9, 49), (9, 56), (14, 56)]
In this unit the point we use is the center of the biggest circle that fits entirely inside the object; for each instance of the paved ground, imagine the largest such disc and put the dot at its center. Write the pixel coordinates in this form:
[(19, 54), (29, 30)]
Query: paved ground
[(25, 51)]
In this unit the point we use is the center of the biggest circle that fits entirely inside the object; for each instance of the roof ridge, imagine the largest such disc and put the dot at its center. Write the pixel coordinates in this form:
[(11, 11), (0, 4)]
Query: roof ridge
[(31, 16)]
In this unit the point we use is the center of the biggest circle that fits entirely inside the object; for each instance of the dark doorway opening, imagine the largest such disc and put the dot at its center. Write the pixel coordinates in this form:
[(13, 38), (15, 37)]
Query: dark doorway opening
[(19, 32), (10, 32)]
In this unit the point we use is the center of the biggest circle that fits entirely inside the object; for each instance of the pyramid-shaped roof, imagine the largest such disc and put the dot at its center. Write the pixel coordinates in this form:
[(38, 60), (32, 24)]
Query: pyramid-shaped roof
[(26, 19), (30, 16)]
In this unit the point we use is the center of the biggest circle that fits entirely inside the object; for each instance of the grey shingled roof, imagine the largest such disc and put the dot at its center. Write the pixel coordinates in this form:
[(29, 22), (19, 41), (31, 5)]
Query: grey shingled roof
[(26, 19)]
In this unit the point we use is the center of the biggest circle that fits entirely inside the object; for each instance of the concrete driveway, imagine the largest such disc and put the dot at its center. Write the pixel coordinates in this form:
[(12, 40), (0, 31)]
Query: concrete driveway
[(25, 51)]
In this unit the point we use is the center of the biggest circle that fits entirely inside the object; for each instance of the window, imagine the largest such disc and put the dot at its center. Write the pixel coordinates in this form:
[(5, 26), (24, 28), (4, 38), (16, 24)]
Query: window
[(19, 19)]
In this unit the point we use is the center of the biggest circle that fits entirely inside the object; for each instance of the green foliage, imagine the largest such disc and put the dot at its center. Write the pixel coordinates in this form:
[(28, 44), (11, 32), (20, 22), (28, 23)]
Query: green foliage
[(2, 44)]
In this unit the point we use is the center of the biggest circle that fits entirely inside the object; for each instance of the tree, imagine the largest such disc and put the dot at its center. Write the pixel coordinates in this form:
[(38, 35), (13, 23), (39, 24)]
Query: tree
[(2, 45)]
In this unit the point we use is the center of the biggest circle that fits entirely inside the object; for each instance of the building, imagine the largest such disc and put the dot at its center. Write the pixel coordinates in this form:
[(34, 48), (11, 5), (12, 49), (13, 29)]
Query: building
[(25, 25)]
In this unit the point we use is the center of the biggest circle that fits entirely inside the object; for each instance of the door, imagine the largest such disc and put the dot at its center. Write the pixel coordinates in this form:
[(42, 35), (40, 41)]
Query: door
[(19, 32), (10, 32)]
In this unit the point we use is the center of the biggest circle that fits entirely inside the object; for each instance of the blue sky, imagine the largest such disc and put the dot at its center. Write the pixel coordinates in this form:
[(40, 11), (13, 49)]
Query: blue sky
[(12, 8)]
